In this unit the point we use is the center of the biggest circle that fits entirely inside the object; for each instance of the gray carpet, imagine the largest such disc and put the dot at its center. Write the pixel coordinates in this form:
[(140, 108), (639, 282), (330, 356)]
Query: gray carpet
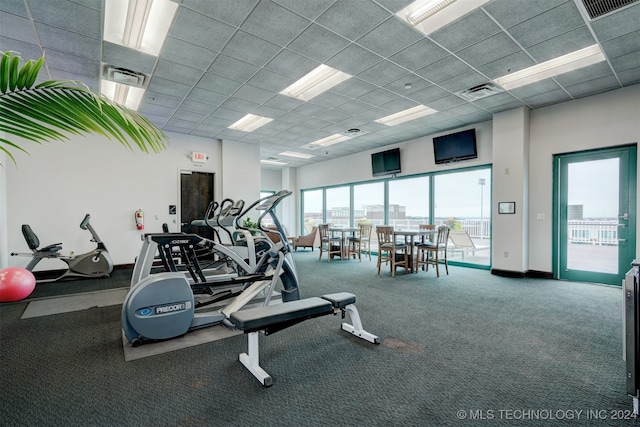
[(468, 344)]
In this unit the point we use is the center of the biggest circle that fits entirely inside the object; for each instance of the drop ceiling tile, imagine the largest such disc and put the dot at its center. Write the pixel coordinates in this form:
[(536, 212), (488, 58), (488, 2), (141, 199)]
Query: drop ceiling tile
[(443, 69), (353, 88), (206, 96), (267, 21), (130, 59), (251, 49), (473, 118), (310, 9), (419, 55), (233, 16), (623, 45), (266, 111), (329, 99), (268, 80), (378, 97), (352, 107), (382, 73), (92, 82), (156, 98), (548, 98), (591, 72), (14, 7), (220, 123), (290, 64), (398, 86), (626, 62), (488, 50), (177, 72), (389, 37), (27, 51), (66, 41), (508, 16), (429, 94), (332, 115), (188, 26), (293, 118), (70, 16), (463, 109), (241, 105), (463, 81), (353, 60), (464, 32), (492, 101), (147, 108), (318, 43), (218, 84), (621, 22), (339, 18), (188, 54), (185, 119), (196, 107), (226, 114), (168, 87), (547, 25), (73, 64), (283, 102), (17, 28), (509, 64), (310, 109), (571, 41), (591, 87), (316, 123), (534, 89), (498, 107), (630, 76), (253, 94), (447, 103)]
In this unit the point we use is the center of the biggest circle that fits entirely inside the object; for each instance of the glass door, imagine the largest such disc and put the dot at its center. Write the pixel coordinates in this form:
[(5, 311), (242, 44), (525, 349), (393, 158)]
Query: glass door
[(595, 215)]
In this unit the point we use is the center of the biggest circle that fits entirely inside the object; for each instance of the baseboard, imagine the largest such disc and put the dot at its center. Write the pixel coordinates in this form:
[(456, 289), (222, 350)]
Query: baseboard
[(532, 274), (508, 273)]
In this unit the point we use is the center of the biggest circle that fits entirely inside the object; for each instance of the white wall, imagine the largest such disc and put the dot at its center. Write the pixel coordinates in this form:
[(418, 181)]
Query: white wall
[(604, 120), (416, 157), (52, 188)]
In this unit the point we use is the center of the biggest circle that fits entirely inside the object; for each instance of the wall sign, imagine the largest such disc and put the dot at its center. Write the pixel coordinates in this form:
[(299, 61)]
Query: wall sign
[(506, 207)]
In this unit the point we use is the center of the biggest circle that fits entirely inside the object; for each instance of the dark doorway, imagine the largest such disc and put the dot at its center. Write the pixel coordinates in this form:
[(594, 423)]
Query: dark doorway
[(196, 191)]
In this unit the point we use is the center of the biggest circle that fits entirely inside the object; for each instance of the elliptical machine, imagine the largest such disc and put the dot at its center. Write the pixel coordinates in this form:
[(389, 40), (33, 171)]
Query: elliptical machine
[(93, 264)]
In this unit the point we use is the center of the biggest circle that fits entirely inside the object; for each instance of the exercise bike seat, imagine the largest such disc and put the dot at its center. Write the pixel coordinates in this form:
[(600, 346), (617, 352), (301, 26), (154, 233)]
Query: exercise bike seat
[(33, 242)]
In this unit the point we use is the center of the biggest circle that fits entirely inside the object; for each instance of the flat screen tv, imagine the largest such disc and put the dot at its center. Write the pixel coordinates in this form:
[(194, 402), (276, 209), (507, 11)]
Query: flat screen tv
[(455, 147), (386, 162)]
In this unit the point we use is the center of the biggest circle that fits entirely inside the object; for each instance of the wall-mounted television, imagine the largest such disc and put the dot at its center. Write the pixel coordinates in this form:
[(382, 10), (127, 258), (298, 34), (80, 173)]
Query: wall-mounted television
[(386, 162), (455, 147)]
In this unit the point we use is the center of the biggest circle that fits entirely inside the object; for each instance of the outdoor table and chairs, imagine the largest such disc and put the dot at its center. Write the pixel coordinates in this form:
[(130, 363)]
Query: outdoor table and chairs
[(341, 236), (409, 238)]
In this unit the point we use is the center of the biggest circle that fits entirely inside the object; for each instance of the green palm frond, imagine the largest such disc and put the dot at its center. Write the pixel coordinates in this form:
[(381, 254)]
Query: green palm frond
[(55, 110)]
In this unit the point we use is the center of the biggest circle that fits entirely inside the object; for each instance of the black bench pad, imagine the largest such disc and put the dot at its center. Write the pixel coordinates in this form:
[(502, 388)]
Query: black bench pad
[(255, 319), (340, 299)]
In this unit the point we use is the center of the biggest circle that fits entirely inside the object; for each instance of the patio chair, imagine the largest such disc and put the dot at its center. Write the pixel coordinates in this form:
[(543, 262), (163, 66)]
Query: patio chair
[(391, 251), (463, 244), (361, 242), (329, 243)]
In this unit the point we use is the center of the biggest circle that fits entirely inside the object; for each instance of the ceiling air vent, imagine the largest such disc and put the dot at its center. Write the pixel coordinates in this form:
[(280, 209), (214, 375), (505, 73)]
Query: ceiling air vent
[(597, 8), (481, 91), (124, 76), (354, 132)]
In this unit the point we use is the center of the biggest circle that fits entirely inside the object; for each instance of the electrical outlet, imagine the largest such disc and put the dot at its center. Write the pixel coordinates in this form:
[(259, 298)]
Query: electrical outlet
[(507, 171), (506, 254), (540, 216)]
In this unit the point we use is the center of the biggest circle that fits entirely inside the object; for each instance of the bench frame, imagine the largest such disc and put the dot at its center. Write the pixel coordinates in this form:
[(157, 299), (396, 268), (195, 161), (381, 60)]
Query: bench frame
[(341, 302)]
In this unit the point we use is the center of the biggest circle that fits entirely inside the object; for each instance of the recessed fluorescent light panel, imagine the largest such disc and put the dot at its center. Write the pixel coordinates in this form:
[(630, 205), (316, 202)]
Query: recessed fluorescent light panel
[(139, 24), (314, 83), (406, 115), (560, 65), (250, 122), (273, 162), (429, 16), (297, 155), (325, 142), (122, 94)]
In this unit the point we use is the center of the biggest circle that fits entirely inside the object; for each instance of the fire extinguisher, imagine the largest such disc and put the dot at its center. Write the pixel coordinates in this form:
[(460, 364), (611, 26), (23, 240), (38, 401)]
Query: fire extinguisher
[(139, 219)]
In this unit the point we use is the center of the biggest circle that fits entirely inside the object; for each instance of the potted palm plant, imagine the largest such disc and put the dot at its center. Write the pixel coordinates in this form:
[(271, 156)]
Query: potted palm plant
[(55, 109)]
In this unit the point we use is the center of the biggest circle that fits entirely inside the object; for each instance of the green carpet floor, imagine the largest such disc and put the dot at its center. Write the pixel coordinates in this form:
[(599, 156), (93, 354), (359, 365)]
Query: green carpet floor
[(464, 349)]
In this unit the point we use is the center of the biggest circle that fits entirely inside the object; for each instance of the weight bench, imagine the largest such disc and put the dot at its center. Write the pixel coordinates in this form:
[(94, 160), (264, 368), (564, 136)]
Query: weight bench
[(273, 318)]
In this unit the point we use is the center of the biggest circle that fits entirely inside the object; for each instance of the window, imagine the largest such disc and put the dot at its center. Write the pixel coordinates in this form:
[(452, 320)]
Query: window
[(409, 202), (338, 206), (312, 209)]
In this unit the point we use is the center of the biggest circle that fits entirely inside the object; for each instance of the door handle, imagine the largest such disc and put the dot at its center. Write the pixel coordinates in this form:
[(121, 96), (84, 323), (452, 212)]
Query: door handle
[(625, 217)]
